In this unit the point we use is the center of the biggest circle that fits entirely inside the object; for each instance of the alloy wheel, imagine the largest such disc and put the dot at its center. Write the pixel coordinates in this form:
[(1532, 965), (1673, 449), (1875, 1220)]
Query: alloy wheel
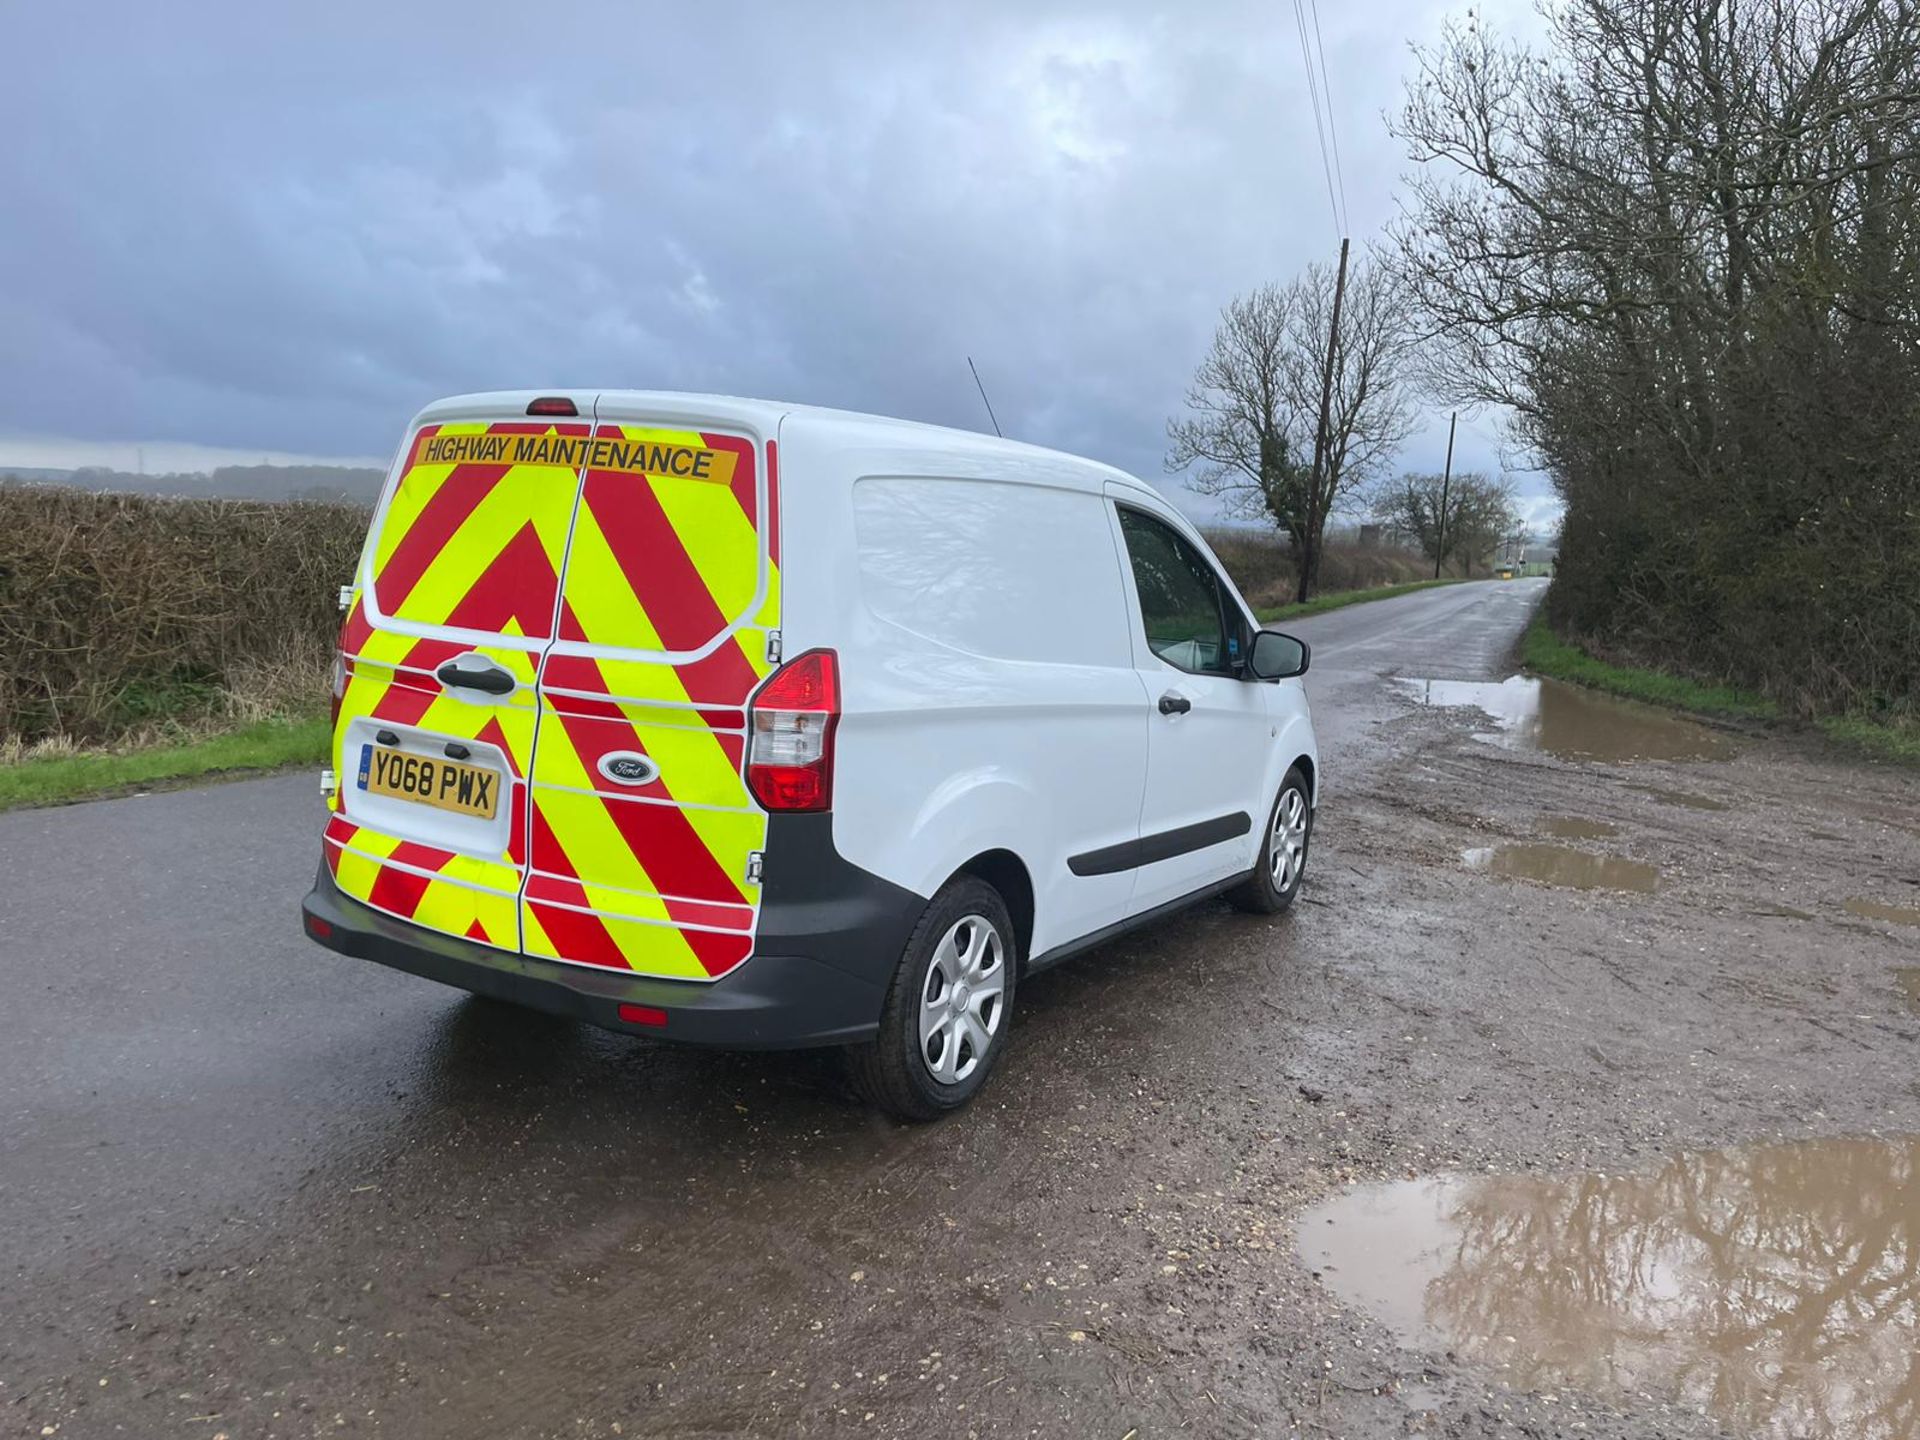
[(963, 999), (1287, 851)]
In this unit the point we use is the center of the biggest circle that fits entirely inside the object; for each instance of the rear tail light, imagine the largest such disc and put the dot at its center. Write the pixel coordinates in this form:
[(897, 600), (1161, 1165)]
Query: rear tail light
[(790, 727), (552, 405), (339, 686)]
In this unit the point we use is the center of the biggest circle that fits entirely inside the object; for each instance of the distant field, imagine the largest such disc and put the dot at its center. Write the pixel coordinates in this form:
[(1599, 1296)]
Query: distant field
[(1341, 598), (1261, 564)]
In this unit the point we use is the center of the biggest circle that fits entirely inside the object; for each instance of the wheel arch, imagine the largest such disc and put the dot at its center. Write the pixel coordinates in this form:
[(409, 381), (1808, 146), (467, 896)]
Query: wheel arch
[(1305, 765), (1007, 873)]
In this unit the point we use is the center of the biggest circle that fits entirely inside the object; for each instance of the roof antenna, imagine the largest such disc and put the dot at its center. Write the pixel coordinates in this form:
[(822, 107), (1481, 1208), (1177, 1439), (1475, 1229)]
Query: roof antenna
[(983, 396)]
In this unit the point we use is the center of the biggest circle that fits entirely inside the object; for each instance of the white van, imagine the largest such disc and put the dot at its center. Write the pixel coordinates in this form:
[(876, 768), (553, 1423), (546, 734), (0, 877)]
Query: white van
[(749, 724)]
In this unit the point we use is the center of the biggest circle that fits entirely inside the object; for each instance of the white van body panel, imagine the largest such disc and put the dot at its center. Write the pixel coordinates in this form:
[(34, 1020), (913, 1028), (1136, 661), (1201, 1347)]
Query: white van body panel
[(954, 742), (1036, 747)]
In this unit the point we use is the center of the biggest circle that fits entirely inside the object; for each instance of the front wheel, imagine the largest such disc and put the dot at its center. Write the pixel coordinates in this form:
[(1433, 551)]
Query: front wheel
[(947, 1012), (1283, 854)]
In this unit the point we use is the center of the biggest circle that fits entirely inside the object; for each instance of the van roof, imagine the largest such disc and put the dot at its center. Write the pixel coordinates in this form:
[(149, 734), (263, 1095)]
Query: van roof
[(910, 443)]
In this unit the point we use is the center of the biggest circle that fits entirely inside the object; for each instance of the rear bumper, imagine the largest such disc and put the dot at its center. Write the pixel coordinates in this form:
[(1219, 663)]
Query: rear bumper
[(772, 1002)]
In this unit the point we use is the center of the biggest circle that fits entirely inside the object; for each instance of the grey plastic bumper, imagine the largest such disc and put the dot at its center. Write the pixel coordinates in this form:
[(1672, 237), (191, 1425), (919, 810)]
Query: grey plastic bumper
[(771, 1002)]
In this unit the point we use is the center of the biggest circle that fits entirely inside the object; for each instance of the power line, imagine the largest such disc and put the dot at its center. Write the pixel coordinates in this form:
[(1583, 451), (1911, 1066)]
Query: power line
[(1319, 129), (1333, 133)]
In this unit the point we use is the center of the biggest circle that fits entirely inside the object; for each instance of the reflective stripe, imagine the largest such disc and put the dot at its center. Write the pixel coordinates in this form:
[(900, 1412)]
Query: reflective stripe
[(657, 592), (679, 569), (479, 547)]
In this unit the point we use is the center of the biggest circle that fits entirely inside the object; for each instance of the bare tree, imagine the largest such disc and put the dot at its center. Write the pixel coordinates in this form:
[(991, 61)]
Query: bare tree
[(1254, 404), (1483, 516), (1682, 241), (1478, 514)]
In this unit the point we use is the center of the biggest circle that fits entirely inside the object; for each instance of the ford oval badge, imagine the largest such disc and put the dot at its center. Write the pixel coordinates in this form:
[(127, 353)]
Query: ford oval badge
[(626, 767)]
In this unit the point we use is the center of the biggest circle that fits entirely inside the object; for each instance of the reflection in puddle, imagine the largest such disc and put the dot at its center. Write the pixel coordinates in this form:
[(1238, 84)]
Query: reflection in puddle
[(1573, 827), (1681, 797), (1573, 723), (1560, 865), (1778, 1287), (1874, 910)]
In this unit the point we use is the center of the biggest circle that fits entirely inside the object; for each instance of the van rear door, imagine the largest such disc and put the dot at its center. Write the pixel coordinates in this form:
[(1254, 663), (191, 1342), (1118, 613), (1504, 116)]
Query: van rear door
[(451, 612), (643, 837)]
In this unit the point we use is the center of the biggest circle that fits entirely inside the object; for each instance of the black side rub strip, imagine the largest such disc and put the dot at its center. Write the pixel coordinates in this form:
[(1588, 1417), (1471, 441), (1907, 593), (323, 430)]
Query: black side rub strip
[(1132, 854)]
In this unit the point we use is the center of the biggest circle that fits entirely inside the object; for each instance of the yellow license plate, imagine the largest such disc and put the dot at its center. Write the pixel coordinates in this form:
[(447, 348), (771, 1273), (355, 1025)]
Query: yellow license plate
[(443, 784)]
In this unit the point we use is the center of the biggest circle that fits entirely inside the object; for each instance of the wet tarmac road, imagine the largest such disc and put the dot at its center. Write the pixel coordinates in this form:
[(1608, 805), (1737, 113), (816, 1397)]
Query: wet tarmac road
[(251, 1188), (178, 1048)]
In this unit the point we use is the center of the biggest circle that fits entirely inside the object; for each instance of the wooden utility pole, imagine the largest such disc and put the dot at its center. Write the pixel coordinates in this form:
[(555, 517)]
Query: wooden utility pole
[(1446, 483), (1311, 554)]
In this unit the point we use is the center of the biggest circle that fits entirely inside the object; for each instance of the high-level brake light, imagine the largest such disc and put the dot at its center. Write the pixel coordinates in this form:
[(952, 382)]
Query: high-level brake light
[(552, 405), (790, 727)]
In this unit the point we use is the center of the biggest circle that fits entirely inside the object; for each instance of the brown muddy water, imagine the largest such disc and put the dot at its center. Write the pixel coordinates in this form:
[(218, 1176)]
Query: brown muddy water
[(1875, 910), (1907, 977), (1575, 827), (1570, 722), (1776, 1287), (1564, 866), (1686, 799)]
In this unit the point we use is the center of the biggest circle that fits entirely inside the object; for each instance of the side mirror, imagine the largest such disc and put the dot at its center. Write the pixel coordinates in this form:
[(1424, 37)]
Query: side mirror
[(1277, 657)]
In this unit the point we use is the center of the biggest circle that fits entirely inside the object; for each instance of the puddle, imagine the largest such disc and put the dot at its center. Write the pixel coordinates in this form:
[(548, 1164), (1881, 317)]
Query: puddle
[(1571, 722), (1874, 910), (1777, 1287), (1907, 977), (1573, 827), (1561, 865), (1784, 912), (1682, 797)]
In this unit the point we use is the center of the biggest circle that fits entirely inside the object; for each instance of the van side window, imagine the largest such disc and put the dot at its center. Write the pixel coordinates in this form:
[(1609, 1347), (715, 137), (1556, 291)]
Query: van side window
[(1180, 599)]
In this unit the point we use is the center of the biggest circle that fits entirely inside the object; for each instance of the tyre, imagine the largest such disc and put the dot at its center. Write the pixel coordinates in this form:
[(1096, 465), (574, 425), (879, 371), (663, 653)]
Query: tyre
[(946, 1016), (1283, 854)]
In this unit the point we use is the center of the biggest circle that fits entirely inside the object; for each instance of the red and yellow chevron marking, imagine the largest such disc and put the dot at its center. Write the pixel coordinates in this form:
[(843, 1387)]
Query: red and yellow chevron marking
[(478, 546), (654, 879)]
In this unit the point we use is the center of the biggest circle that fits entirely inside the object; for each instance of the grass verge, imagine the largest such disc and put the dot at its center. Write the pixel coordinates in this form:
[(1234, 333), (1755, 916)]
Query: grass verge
[(1339, 599), (1545, 653), (1898, 743), (263, 745)]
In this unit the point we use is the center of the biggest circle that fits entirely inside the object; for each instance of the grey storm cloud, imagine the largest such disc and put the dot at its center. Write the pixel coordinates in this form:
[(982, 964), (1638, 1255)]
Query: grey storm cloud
[(241, 225)]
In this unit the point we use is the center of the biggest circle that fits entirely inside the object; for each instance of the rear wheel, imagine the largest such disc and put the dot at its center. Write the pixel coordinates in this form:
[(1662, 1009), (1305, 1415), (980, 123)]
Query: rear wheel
[(947, 1012), (1283, 854)]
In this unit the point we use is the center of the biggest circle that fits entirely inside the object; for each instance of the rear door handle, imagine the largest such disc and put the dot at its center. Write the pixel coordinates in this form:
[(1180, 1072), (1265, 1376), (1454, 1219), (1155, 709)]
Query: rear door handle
[(490, 678), (1172, 704)]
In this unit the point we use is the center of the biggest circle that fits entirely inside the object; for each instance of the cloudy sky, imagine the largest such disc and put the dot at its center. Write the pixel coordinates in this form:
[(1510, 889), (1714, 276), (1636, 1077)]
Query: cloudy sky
[(281, 229)]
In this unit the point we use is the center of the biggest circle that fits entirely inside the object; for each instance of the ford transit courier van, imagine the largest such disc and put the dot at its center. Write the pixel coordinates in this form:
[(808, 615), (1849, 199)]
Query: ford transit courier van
[(749, 724)]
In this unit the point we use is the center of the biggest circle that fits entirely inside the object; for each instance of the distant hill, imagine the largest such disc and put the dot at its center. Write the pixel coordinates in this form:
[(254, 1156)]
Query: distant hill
[(339, 483), (29, 472)]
